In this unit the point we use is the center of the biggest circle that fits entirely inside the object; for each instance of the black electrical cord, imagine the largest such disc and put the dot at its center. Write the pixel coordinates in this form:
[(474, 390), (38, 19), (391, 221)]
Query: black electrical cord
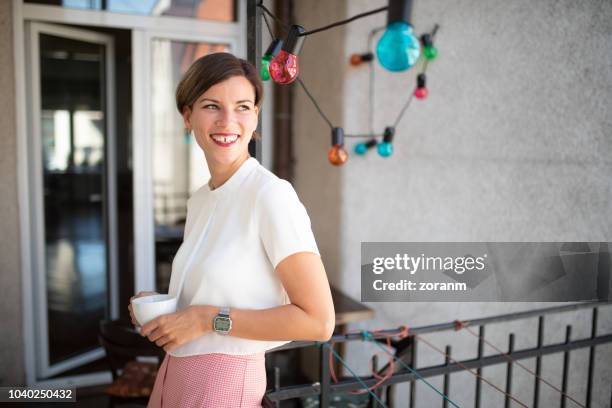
[(369, 135), (327, 27), (425, 64), (267, 24), (268, 12), (342, 22), (314, 102), (406, 105), (372, 81)]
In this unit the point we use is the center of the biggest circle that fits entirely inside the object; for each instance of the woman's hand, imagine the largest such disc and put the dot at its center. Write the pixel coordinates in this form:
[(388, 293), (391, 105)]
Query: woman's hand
[(140, 294), (175, 329)]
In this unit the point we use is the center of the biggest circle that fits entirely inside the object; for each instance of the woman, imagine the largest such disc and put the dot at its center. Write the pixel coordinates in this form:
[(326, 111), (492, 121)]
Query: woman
[(248, 274)]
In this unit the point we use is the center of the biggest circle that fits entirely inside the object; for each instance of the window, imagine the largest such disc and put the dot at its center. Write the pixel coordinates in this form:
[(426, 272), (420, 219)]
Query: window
[(214, 10)]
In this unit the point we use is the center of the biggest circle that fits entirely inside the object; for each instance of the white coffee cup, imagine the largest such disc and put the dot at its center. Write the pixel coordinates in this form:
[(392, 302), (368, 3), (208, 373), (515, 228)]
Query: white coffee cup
[(147, 308)]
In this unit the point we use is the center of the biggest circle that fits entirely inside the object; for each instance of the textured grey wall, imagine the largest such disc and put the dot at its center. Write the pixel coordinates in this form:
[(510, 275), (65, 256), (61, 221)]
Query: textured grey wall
[(513, 144), (11, 341)]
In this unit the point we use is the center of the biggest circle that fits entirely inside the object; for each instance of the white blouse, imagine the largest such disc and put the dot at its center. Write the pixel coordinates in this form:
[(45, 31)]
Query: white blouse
[(235, 236)]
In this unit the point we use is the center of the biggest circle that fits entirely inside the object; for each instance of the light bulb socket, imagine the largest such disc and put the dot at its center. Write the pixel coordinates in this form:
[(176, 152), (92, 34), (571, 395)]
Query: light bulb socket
[(294, 41), (399, 10), (358, 59), (421, 80), (370, 143), (388, 134), (274, 48), (337, 136), (426, 40), (368, 56)]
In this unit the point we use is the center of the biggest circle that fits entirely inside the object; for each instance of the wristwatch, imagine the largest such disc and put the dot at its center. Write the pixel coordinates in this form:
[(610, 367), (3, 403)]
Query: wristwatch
[(222, 323)]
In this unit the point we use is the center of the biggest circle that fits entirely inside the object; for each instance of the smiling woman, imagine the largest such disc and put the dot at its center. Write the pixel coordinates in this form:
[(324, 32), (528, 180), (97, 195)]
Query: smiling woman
[(248, 276)]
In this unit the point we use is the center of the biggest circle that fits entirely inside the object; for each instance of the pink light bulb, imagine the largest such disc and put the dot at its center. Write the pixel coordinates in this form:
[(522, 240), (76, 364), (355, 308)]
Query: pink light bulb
[(284, 68)]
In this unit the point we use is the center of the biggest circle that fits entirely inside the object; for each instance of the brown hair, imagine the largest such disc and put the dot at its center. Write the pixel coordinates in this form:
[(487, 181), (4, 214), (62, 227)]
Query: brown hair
[(210, 70)]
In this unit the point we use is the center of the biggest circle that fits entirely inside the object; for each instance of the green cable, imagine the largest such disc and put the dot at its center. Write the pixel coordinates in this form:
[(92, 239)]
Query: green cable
[(355, 375), (367, 335)]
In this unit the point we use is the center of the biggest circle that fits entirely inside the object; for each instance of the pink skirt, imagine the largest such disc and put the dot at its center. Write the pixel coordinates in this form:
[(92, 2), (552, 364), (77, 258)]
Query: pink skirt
[(210, 381)]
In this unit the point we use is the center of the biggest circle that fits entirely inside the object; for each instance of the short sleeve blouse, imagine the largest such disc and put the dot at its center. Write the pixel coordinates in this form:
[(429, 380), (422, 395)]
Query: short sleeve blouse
[(235, 236)]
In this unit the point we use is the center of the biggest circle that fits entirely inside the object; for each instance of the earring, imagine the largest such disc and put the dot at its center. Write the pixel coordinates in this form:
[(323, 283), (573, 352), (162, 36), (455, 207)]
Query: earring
[(187, 136)]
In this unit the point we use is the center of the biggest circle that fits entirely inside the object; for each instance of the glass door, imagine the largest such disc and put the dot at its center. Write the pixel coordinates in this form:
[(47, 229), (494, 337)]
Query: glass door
[(74, 208)]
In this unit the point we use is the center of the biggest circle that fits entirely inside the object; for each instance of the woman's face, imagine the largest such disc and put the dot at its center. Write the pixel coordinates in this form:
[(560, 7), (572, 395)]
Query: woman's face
[(223, 120)]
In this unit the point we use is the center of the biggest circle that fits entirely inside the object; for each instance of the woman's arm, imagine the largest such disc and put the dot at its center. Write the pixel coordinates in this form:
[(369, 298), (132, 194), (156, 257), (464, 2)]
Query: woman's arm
[(309, 316)]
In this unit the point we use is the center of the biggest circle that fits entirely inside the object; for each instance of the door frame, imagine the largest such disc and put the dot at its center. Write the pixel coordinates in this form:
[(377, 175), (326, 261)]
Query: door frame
[(22, 13), (34, 29)]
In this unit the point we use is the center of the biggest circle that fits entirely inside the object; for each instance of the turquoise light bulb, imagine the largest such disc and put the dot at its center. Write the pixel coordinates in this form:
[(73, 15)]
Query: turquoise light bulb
[(385, 149), (398, 49), (361, 149)]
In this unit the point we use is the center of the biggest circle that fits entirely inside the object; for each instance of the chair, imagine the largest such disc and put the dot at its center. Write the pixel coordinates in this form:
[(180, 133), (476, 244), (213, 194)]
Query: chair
[(132, 379)]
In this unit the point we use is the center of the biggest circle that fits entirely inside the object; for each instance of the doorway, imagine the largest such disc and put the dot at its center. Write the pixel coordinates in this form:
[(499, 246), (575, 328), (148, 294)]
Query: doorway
[(73, 186)]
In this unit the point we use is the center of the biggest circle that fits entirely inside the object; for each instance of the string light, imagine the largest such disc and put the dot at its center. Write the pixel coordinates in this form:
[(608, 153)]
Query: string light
[(358, 59), (337, 155), (398, 49), (421, 91), (284, 68), (429, 51), (385, 149), (362, 148), (272, 51)]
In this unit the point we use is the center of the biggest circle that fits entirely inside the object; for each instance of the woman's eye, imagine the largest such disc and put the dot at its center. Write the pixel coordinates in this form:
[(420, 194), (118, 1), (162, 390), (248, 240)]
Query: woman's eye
[(213, 107), (244, 107)]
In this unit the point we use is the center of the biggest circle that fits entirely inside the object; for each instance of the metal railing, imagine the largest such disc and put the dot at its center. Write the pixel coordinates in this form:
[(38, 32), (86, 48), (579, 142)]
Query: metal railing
[(406, 352)]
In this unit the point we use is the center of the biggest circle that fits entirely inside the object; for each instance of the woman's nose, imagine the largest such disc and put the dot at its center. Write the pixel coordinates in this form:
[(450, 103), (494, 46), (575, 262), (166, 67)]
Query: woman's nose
[(225, 116)]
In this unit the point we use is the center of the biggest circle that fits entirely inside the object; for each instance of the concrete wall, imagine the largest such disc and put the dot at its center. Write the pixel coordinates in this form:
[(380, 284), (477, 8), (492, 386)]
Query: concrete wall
[(12, 371), (513, 144)]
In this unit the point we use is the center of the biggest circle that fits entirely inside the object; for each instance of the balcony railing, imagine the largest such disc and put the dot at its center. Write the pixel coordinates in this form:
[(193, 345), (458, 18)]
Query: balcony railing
[(405, 358)]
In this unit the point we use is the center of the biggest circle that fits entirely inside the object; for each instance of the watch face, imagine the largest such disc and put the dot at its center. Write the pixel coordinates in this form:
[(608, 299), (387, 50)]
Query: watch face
[(222, 323)]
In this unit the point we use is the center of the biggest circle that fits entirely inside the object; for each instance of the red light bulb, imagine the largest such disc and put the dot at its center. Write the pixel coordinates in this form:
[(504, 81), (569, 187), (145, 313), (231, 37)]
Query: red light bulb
[(284, 67), (421, 90), (420, 93)]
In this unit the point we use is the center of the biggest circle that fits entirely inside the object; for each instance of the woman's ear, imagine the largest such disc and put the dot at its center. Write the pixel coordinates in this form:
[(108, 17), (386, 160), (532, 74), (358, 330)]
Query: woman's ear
[(187, 117)]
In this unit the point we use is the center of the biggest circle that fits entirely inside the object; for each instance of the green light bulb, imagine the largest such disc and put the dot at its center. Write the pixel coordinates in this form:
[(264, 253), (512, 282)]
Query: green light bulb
[(430, 52), (265, 67)]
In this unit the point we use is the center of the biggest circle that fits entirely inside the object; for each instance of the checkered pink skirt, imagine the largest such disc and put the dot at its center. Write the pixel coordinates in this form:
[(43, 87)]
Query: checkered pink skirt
[(210, 381)]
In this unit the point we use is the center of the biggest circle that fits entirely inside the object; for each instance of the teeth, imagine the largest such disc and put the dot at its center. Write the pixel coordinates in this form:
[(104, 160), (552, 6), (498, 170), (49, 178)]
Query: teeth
[(225, 139)]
